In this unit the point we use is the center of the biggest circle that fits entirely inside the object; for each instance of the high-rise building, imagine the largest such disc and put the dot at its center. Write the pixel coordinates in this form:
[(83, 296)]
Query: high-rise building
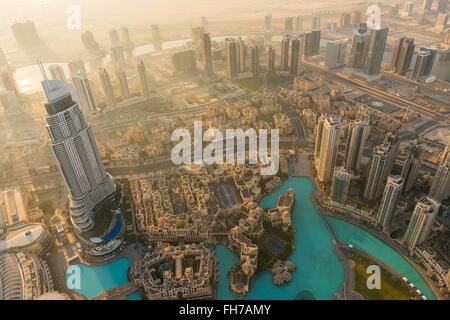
[(76, 153), (143, 79), (240, 55), (184, 61), (406, 9), (285, 43), (107, 86), (4, 66), (288, 25), (329, 148), (378, 39), (427, 5), (206, 53), (205, 23), (10, 102), (358, 131), (421, 222), (311, 43), (402, 55), (355, 18), (388, 202), (25, 33), (383, 159), (296, 55), (197, 34), (441, 21), (315, 23), (57, 72), (270, 67), (117, 56), (335, 53), (8, 81), (230, 48), (340, 185), (360, 47), (76, 66), (268, 23), (255, 54), (298, 24), (424, 63), (441, 5), (123, 83), (319, 131), (344, 20), (411, 166), (89, 42), (440, 187), (126, 43), (84, 93), (114, 38), (156, 37)]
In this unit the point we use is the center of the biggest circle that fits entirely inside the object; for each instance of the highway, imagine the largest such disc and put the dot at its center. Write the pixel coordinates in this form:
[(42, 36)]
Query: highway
[(380, 94)]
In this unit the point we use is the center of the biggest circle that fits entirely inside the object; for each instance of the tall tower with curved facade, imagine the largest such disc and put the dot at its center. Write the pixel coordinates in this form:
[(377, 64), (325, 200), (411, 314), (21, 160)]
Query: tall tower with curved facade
[(76, 153)]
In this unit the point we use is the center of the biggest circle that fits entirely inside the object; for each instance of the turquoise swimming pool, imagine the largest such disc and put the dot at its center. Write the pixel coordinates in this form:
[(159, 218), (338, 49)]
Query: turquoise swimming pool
[(96, 279)]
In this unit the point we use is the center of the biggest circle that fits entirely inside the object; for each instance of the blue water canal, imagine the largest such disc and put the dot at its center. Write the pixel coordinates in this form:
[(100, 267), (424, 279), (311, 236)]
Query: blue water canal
[(319, 272)]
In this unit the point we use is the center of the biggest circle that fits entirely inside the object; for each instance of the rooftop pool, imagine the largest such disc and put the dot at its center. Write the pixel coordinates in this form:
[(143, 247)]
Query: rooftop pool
[(319, 272)]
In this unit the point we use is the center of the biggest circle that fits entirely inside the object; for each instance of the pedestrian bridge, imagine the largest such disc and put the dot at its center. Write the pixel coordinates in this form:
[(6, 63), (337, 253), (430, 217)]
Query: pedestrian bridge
[(118, 292)]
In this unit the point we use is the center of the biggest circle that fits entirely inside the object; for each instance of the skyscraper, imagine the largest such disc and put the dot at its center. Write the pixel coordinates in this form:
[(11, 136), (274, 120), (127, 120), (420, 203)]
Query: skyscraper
[(8, 81), (340, 185), (230, 47), (285, 53), (329, 147), (335, 54), (270, 67), (77, 66), (197, 34), (378, 39), (441, 6), (84, 93), (156, 37), (268, 23), (421, 222), (311, 43), (411, 166), (296, 55), (255, 54), (89, 42), (344, 20), (391, 193), (424, 63), (117, 56), (107, 86), (126, 43), (77, 157), (315, 23), (240, 55), (205, 23), (427, 5), (360, 47), (319, 131), (57, 72), (123, 83), (440, 187), (402, 55), (355, 18), (114, 38), (143, 79), (381, 165), (206, 53), (406, 9), (298, 24), (288, 25), (358, 131)]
